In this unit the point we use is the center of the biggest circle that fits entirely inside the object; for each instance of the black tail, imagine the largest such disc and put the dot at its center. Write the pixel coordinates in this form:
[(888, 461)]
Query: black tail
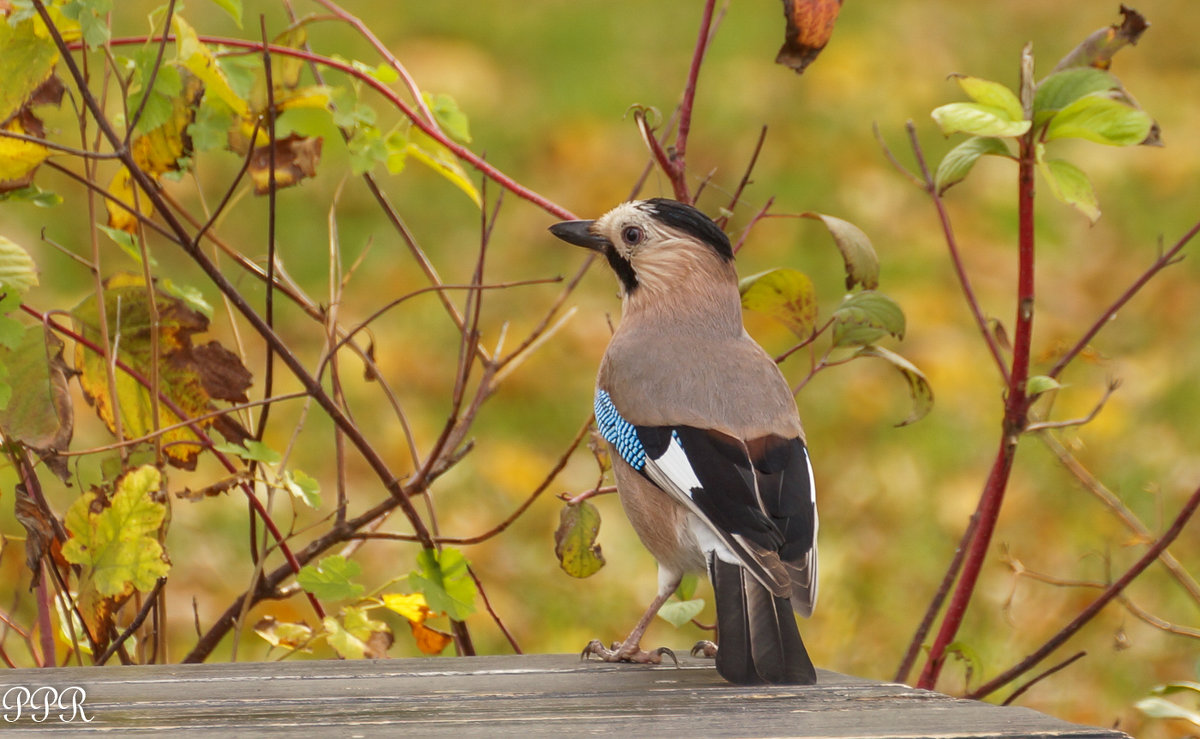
[(758, 641)]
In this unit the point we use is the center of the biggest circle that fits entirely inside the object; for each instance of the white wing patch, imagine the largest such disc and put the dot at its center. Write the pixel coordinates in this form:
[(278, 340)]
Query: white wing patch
[(810, 560), (674, 465)]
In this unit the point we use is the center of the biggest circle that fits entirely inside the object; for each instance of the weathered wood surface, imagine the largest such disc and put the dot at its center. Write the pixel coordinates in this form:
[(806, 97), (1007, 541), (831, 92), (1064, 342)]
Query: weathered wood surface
[(537, 695)]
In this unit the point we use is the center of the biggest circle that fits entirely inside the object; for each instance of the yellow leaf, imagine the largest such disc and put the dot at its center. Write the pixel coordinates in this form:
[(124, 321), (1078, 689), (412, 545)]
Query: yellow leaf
[(437, 157), (283, 634), (313, 96), (201, 62), (122, 188), (19, 159), (159, 150), (411, 606)]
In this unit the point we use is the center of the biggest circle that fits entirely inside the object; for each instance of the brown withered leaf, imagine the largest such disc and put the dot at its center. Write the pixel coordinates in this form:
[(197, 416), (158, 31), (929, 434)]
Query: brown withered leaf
[(809, 27), (183, 369), (1097, 50), (296, 157), (211, 491), (41, 538), (377, 644)]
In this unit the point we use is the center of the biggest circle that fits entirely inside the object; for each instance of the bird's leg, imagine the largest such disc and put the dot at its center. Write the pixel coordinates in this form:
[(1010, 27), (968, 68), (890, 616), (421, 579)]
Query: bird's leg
[(630, 650), (704, 648)]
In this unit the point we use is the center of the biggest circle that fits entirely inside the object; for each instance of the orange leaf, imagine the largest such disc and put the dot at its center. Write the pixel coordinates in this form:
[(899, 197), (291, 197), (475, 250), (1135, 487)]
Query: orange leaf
[(809, 26), (429, 641)]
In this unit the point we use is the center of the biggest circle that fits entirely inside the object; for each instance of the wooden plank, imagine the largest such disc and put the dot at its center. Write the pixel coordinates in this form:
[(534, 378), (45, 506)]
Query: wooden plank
[(537, 695)]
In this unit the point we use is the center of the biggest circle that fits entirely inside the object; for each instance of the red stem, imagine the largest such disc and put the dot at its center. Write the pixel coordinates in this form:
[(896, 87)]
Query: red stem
[(1016, 411), (678, 160)]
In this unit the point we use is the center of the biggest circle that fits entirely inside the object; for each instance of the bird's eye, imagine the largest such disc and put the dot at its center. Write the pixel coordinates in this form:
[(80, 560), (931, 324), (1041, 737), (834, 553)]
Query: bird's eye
[(631, 235)]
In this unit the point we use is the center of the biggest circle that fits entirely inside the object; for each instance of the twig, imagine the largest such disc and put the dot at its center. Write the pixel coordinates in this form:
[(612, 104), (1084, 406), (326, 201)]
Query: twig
[(960, 270), (1042, 676), (1046, 425), (1120, 510), (148, 85), (1167, 258), (1114, 590), (741, 186), (487, 603), (136, 623)]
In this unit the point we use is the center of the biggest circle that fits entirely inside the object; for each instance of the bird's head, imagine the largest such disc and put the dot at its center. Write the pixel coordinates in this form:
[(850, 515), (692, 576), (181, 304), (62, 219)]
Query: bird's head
[(656, 247)]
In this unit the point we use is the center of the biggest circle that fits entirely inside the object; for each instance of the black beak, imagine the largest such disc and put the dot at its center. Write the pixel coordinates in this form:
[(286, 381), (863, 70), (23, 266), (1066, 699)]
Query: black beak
[(579, 234)]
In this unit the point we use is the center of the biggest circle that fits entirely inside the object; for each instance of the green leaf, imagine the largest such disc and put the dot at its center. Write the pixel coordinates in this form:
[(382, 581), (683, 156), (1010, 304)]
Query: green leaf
[(1068, 184), (992, 94), (191, 296), (39, 414), (865, 317), (445, 581), (1063, 88), (32, 194), (978, 119), (687, 586), (448, 115), (575, 540), (1177, 686), (367, 148), (1163, 708), (959, 161), (124, 239), (117, 544), (90, 15), (680, 612), (12, 333), (358, 621), (303, 488), (1101, 118), (331, 578), (1039, 384), (210, 129), (862, 263), (784, 294), (253, 450), (347, 645), (18, 272), (233, 8), (918, 385)]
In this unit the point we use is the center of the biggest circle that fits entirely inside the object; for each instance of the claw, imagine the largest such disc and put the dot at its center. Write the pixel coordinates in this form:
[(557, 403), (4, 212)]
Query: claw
[(626, 653), (663, 650), (704, 648)]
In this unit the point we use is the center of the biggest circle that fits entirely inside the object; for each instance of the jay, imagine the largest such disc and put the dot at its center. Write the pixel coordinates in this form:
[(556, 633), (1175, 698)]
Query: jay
[(709, 456)]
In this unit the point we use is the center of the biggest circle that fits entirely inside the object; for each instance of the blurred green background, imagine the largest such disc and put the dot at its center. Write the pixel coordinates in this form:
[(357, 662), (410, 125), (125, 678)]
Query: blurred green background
[(546, 85)]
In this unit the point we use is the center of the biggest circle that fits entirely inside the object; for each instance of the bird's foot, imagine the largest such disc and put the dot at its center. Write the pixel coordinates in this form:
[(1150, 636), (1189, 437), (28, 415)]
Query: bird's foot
[(704, 648), (620, 652)]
